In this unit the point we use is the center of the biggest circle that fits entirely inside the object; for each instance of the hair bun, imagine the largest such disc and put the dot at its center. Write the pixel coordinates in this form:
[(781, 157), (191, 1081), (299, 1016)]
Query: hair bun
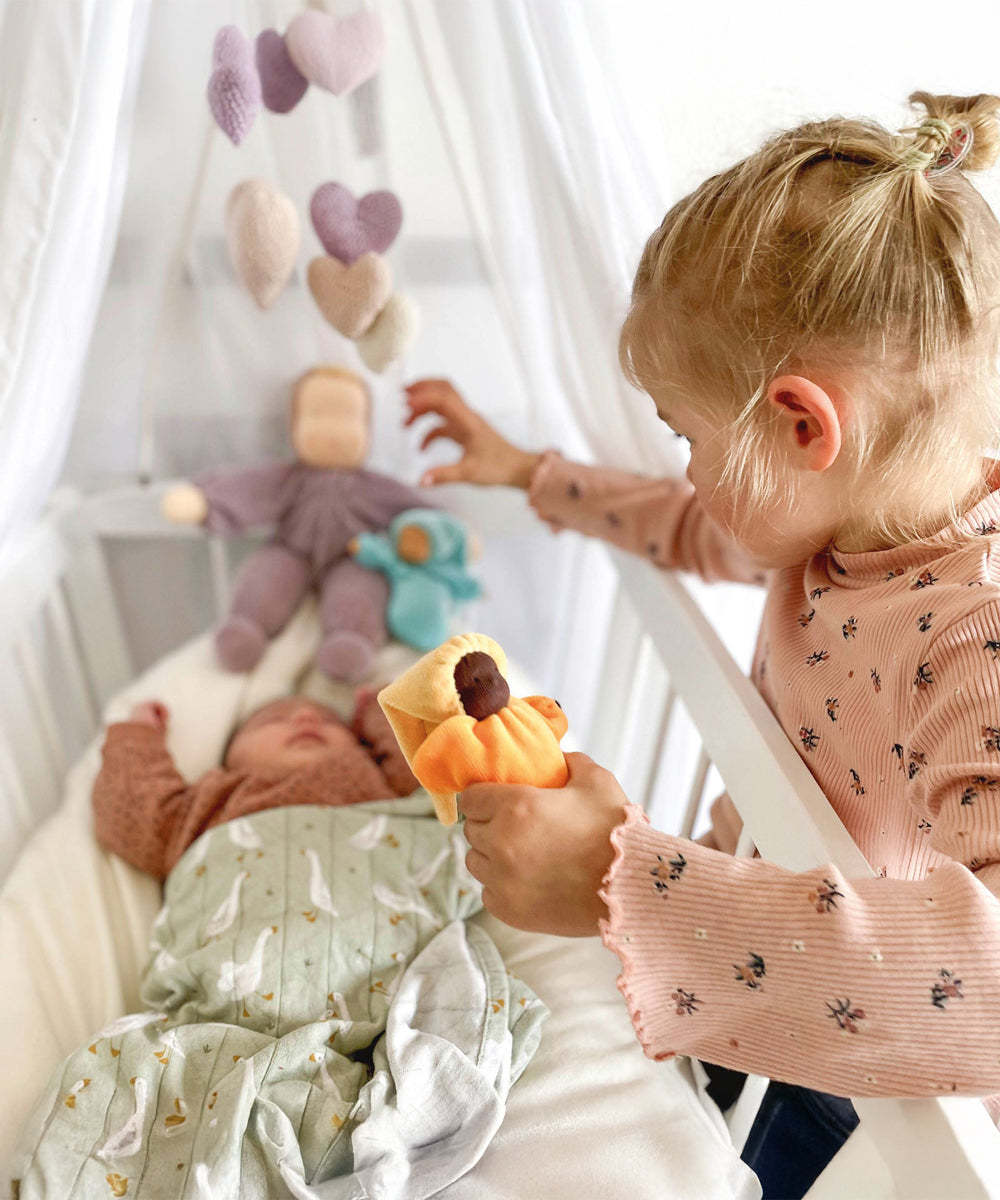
[(946, 113)]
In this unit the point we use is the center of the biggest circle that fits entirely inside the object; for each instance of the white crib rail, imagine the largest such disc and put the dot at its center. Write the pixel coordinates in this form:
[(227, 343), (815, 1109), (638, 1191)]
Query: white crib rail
[(63, 653), (61, 656)]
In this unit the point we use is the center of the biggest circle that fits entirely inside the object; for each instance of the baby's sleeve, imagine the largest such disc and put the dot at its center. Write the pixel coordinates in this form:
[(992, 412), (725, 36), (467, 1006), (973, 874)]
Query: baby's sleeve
[(139, 798), (659, 519)]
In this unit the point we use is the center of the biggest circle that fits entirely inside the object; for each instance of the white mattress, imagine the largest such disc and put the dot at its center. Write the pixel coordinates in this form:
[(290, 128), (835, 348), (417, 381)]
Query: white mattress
[(591, 1117)]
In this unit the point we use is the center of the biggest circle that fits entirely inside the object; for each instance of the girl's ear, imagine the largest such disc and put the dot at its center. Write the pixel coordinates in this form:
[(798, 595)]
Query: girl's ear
[(811, 424)]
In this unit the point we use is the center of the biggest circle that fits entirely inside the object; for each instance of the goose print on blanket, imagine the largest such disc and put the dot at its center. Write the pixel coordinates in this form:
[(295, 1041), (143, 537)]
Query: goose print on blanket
[(321, 1023)]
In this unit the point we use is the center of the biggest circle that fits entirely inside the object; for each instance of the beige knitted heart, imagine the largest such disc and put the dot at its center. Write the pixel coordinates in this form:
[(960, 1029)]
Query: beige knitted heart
[(394, 331), (351, 297), (263, 235)]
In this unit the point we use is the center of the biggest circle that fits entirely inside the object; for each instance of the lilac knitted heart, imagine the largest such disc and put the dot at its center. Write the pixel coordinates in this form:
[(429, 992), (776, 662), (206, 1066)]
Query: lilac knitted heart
[(282, 84), (231, 48), (234, 86), (348, 227)]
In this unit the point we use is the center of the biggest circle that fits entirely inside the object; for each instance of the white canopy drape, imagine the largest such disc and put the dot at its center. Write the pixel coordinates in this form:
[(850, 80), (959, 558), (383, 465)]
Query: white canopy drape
[(543, 134), (68, 76)]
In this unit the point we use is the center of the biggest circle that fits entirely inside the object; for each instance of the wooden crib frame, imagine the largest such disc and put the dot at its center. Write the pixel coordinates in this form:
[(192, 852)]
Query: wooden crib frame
[(64, 653)]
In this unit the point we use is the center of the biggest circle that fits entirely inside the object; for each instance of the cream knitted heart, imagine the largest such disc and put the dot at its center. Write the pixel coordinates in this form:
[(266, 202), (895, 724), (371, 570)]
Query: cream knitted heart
[(263, 236), (393, 332), (351, 297)]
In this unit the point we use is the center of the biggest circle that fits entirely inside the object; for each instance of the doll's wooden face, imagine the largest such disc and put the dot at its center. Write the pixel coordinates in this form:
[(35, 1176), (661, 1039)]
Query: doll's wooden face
[(481, 688), (330, 420)]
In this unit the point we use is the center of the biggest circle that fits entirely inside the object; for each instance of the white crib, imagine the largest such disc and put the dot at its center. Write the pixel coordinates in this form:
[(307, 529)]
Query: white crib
[(64, 652)]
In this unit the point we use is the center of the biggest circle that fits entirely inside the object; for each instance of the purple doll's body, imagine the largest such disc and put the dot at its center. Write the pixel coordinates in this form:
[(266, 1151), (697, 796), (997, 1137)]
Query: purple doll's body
[(317, 504), (316, 511)]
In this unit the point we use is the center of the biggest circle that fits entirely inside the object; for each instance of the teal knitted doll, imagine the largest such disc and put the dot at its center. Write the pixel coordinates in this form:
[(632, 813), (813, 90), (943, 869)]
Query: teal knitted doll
[(424, 556)]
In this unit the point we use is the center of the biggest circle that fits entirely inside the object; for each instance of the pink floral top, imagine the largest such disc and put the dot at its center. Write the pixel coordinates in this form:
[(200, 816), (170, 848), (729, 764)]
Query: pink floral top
[(883, 669)]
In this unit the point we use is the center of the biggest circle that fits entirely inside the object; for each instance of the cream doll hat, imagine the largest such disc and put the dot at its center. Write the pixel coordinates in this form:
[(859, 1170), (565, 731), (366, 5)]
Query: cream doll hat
[(425, 696)]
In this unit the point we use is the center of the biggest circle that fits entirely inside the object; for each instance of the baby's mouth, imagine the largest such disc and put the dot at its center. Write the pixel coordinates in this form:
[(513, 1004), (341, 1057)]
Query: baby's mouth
[(311, 734)]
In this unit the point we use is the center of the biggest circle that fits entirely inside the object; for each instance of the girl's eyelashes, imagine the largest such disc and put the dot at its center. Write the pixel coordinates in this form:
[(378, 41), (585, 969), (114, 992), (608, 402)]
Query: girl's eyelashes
[(684, 437)]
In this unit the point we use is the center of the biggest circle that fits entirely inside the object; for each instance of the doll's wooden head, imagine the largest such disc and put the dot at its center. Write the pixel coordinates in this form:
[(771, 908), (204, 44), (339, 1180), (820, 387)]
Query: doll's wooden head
[(330, 418)]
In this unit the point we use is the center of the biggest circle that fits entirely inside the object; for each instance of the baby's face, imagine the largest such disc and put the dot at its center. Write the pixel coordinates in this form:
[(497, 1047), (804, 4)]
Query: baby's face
[(287, 734)]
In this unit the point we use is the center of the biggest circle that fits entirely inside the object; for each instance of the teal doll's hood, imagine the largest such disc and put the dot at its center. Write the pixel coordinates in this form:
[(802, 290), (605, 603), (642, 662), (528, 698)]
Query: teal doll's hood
[(447, 534)]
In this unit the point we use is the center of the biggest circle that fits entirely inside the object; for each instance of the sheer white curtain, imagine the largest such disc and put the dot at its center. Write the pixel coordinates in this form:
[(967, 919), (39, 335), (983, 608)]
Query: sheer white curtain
[(548, 144), (68, 72)]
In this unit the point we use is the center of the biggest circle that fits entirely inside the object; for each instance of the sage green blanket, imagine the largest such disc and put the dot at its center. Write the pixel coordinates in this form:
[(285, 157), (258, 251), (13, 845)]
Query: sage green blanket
[(321, 1023)]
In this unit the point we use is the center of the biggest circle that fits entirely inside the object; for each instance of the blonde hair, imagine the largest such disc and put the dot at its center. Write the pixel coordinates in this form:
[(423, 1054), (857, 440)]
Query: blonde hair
[(844, 246)]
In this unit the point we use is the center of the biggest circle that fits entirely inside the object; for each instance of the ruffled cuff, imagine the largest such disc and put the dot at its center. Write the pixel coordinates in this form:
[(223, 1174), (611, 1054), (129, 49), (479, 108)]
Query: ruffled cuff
[(614, 933)]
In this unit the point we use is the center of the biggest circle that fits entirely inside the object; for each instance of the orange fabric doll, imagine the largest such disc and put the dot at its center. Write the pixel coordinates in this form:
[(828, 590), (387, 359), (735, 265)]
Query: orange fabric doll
[(457, 723)]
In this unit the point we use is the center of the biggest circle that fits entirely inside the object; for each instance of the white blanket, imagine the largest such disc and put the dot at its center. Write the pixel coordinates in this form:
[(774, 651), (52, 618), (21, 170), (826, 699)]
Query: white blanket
[(590, 1117)]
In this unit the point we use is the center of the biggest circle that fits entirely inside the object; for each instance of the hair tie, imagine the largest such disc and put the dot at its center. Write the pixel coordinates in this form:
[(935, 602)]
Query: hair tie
[(953, 146), (915, 159), (935, 128), (956, 149)]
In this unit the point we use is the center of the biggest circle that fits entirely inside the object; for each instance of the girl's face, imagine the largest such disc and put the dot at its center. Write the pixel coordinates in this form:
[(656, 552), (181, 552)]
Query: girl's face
[(774, 534), (288, 734)]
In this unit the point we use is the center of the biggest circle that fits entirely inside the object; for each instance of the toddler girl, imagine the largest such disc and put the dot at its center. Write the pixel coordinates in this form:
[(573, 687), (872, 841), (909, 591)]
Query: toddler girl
[(291, 751), (820, 322)]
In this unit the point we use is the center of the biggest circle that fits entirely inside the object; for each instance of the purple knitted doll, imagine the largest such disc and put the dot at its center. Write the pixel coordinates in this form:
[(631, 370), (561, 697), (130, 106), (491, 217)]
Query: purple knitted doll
[(316, 503)]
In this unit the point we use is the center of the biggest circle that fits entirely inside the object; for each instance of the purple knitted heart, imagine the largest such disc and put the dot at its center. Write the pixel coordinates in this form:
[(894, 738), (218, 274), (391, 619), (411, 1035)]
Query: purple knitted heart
[(348, 227), (282, 84), (234, 86), (231, 48)]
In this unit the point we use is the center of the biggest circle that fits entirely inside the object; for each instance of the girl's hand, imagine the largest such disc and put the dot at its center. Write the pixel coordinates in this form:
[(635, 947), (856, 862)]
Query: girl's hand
[(152, 713), (487, 458), (541, 854)]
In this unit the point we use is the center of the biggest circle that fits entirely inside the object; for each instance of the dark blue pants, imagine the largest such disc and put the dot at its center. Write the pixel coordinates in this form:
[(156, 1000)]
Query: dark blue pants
[(795, 1134)]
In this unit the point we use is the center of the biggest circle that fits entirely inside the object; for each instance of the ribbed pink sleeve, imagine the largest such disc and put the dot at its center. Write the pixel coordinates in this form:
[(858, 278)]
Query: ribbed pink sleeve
[(884, 986), (659, 519), (872, 988)]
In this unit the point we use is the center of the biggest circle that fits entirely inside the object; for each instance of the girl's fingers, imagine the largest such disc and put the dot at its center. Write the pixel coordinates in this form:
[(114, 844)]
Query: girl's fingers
[(439, 398), (421, 386), (455, 473), (428, 382), (421, 409), (478, 865), (478, 800), (434, 394), (440, 431)]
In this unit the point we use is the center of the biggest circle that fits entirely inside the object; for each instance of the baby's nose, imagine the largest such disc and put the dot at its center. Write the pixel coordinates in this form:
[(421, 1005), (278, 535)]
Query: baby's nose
[(305, 715)]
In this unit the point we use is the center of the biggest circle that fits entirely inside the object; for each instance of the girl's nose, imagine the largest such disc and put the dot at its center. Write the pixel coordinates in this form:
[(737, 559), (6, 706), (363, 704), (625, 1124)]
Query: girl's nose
[(305, 714)]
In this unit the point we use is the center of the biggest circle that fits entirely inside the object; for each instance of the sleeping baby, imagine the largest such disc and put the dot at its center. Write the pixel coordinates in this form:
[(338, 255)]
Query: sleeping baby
[(291, 751), (320, 1019)]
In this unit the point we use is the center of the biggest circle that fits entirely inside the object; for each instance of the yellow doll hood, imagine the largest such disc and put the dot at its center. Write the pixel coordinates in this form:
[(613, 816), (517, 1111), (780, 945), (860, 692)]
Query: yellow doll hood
[(421, 698)]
